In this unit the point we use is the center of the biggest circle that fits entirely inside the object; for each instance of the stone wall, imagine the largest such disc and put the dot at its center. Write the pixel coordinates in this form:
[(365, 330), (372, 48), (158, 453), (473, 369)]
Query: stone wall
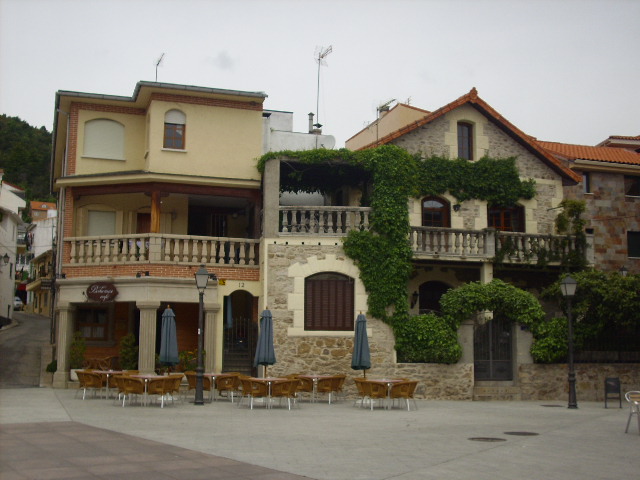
[(608, 214), (549, 382), (330, 352)]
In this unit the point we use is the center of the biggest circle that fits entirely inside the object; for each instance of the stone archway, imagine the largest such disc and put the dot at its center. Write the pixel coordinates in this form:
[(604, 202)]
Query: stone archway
[(493, 347)]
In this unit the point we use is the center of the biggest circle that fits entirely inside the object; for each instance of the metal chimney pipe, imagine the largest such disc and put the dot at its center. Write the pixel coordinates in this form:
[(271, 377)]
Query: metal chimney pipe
[(311, 122)]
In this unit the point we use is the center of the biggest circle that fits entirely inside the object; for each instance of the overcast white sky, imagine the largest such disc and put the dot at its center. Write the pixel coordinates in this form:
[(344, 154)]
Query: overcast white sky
[(564, 71)]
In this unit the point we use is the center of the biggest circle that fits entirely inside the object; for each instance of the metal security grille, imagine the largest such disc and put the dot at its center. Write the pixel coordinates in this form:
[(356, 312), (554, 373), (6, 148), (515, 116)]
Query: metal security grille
[(239, 346), (492, 350)]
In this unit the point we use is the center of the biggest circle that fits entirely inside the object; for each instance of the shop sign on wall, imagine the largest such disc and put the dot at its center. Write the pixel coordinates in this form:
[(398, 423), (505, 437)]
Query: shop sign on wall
[(102, 292)]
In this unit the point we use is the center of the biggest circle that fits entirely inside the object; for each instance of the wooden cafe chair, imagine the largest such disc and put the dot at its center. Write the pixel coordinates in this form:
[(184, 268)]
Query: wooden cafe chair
[(404, 391), (89, 381)]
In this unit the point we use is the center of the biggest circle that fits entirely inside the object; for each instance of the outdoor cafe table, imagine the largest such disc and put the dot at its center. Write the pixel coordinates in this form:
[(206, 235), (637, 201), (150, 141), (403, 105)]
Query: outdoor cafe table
[(146, 379), (314, 379), (388, 382), (213, 377), (269, 381), (106, 374)]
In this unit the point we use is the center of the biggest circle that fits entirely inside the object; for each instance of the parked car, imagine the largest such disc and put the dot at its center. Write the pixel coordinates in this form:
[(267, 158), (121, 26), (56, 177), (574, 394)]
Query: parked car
[(17, 303)]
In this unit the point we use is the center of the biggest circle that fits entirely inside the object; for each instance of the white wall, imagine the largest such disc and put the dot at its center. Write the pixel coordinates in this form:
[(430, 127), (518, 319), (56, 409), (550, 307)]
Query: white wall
[(10, 207)]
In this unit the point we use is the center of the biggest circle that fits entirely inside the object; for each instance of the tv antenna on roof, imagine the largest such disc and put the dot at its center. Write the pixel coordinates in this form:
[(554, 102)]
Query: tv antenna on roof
[(321, 54), (158, 62)]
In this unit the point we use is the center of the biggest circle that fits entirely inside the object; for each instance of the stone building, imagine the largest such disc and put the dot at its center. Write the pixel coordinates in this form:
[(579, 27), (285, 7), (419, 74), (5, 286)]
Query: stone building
[(453, 243), (610, 187)]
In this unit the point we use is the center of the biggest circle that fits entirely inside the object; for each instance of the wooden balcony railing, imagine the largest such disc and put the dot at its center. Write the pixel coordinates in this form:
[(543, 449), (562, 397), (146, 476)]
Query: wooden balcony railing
[(162, 248)]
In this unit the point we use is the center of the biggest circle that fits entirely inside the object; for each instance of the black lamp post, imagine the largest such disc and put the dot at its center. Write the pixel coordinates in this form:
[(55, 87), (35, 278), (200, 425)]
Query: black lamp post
[(568, 287), (623, 271), (202, 278)]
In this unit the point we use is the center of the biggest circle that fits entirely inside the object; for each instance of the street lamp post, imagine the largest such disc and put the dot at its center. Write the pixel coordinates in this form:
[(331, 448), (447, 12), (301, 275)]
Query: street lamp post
[(568, 287), (202, 278)]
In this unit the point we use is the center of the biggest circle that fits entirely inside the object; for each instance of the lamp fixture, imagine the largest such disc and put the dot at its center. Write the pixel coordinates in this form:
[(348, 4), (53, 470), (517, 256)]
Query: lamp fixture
[(623, 271), (414, 298), (6, 259), (568, 286), (142, 273)]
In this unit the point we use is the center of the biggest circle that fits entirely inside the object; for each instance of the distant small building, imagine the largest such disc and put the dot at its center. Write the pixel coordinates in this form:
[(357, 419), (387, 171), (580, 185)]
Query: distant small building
[(610, 188), (11, 205), (41, 210)]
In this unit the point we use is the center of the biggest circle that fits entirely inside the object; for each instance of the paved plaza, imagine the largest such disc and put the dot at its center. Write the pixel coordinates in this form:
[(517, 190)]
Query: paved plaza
[(48, 434)]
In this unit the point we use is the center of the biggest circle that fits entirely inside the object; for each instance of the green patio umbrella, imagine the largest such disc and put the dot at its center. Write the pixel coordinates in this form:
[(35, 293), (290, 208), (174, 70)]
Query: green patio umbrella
[(168, 338), (361, 359), (265, 354)]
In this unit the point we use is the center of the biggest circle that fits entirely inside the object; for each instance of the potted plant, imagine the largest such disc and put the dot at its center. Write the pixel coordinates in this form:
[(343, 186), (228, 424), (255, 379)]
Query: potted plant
[(128, 352), (76, 355), (51, 368)]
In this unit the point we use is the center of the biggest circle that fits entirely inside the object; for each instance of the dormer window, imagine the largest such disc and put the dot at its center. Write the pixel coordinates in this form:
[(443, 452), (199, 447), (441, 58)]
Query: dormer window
[(174, 129), (465, 140)]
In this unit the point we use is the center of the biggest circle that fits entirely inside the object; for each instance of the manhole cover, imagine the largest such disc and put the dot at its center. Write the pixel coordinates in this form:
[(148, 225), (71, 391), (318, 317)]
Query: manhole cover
[(522, 434), (552, 405), (487, 439)]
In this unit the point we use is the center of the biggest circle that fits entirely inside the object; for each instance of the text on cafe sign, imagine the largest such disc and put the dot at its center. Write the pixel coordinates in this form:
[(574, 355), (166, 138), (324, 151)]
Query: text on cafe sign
[(102, 292)]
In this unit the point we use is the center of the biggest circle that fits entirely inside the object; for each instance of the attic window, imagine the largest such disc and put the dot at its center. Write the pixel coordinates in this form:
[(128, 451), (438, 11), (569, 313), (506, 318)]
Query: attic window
[(465, 140)]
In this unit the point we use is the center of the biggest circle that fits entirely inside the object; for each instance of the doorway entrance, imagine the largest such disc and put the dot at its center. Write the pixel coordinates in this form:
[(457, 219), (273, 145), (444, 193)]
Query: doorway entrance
[(240, 333), (493, 350), (430, 294)]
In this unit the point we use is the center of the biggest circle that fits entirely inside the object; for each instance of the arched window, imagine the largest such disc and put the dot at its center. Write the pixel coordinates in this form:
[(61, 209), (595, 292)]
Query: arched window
[(436, 212), (465, 140), (328, 302), (506, 219), (175, 126), (103, 138)]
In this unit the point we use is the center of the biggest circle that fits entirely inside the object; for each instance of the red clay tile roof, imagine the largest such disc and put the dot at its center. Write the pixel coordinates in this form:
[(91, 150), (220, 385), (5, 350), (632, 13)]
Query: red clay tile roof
[(474, 100), (584, 152)]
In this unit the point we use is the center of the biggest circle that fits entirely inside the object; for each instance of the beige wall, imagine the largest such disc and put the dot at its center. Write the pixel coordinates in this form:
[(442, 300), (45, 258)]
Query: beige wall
[(396, 118), (220, 142), (134, 134), (174, 212)]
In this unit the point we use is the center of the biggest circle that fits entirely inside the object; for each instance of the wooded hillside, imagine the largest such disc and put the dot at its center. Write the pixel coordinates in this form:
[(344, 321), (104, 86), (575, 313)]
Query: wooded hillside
[(25, 157)]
